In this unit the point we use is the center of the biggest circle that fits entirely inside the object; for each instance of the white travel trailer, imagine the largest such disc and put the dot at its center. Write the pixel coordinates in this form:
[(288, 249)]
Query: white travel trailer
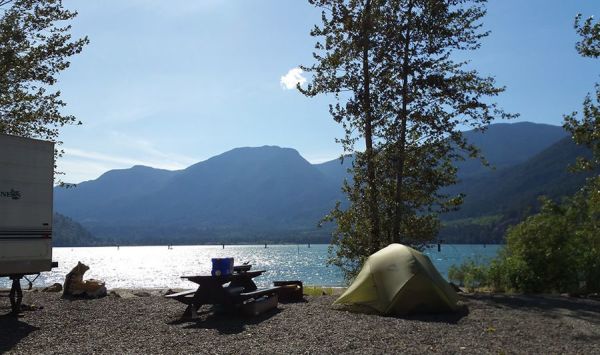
[(26, 184)]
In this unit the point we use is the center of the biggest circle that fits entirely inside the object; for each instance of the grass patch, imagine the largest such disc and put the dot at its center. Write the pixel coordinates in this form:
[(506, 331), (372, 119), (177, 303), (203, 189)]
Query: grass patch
[(478, 221), (317, 291)]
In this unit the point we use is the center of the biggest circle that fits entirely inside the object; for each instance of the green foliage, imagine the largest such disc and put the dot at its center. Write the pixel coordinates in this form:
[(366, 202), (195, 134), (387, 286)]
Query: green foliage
[(317, 291), (35, 45), (470, 274), (388, 65), (589, 45), (586, 130), (558, 249), (541, 253)]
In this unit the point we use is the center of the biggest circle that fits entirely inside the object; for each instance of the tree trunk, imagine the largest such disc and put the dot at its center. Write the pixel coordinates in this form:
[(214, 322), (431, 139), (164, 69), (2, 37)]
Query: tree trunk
[(372, 194), (401, 143)]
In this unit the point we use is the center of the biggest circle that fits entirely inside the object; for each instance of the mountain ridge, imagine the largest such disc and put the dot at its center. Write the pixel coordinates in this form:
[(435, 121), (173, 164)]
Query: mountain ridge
[(257, 192)]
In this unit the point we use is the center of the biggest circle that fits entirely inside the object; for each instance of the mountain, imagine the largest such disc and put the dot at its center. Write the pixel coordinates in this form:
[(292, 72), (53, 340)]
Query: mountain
[(259, 190), (336, 170), (514, 187), (502, 145), (273, 194), (508, 144), (68, 233), (109, 190), (498, 199)]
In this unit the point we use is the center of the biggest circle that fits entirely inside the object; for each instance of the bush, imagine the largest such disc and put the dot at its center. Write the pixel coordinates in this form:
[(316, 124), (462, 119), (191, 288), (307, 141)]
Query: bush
[(470, 274), (556, 250), (541, 253)]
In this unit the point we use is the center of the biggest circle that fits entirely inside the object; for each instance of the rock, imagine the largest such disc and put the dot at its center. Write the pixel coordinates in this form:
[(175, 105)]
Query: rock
[(97, 292), (122, 294), (30, 307), (54, 288), (142, 294), (76, 286)]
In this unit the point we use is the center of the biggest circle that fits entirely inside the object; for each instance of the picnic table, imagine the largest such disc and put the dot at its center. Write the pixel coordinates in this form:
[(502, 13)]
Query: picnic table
[(229, 291)]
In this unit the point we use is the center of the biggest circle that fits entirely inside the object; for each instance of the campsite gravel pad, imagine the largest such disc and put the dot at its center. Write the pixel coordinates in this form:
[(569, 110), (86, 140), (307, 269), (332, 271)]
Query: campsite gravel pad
[(149, 324)]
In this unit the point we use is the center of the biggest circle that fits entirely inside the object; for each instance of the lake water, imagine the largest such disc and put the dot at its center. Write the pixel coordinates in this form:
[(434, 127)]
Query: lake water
[(160, 267)]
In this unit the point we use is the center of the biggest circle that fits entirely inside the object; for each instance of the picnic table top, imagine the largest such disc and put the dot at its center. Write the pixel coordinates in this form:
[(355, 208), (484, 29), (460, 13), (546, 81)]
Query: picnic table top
[(233, 276)]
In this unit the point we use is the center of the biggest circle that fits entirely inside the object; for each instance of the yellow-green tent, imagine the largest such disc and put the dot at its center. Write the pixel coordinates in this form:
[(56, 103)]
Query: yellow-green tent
[(400, 280)]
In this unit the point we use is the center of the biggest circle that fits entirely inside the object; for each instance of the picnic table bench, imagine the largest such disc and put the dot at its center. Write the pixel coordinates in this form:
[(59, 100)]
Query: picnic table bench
[(230, 291)]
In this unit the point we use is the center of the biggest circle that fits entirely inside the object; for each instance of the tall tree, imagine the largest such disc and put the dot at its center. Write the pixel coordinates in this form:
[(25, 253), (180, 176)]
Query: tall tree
[(345, 66), (399, 86), (432, 96), (35, 45)]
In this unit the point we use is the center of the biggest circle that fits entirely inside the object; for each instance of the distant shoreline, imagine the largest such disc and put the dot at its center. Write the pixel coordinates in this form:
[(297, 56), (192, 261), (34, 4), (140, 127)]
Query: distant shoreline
[(432, 245)]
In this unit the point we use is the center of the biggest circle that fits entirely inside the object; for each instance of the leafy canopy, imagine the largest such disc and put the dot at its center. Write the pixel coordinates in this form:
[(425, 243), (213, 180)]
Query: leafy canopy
[(35, 46), (558, 249), (390, 67)]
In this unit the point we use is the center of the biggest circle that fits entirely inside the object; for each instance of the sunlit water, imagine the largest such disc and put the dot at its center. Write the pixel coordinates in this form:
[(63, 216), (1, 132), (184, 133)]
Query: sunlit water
[(160, 267)]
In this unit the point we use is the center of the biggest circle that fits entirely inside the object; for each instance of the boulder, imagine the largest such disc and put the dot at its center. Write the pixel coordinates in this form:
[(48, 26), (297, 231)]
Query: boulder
[(54, 288), (142, 294), (76, 286)]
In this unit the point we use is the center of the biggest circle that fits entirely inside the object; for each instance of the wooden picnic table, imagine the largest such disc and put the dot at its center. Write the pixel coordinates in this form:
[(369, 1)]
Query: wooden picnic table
[(227, 290)]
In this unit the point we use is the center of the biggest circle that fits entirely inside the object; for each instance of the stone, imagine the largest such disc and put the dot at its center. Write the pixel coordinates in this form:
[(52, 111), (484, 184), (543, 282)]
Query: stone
[(76, 286), (54, 288), (141, 294)]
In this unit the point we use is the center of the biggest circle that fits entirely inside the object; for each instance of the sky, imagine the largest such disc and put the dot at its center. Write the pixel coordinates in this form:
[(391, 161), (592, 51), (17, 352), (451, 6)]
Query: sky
[(171, 83)]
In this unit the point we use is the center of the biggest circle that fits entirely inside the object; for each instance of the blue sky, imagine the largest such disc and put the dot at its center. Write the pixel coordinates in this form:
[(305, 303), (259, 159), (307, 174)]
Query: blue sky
[(171, 83)]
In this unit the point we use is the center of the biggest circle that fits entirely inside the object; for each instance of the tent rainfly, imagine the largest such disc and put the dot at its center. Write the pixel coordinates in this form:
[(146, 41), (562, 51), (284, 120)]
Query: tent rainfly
[(400, 280)]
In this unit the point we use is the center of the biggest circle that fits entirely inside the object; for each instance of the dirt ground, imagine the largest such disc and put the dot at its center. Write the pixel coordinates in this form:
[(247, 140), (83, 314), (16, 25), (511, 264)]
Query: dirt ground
[(145, 322)]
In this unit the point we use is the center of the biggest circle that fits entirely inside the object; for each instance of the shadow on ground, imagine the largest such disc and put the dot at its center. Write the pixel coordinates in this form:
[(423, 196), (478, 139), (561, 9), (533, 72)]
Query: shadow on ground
[(446, 317), (546, 305), (12, 330), (224, 323)]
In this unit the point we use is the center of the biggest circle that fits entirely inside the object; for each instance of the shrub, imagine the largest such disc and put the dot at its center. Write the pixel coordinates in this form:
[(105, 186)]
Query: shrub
[(470, 274), (556, 250)]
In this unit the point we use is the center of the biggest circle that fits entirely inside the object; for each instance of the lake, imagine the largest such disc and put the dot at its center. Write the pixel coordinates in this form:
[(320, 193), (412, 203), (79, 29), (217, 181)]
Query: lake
[(161, 267)]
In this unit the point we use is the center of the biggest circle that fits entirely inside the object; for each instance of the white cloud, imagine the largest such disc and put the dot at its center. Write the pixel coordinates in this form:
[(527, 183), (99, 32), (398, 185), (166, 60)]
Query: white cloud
[(293, 77)]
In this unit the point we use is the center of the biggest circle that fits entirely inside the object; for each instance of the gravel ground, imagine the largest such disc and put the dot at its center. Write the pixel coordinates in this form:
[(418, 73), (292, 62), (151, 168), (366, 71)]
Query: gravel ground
[(148, 323)]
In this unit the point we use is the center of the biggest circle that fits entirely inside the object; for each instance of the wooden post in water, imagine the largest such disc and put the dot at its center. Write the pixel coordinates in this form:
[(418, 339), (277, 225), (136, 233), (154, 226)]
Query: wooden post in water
[(309, 245), (223, 245), (265, 245), (440, 245)]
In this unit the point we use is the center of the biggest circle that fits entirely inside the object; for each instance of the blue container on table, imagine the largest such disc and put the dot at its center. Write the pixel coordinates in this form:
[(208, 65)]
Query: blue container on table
[(222, 266)]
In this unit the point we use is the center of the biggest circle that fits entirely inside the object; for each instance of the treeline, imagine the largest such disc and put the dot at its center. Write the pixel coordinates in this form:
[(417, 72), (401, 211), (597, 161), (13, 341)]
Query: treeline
[(68, 233), (164, 235)]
